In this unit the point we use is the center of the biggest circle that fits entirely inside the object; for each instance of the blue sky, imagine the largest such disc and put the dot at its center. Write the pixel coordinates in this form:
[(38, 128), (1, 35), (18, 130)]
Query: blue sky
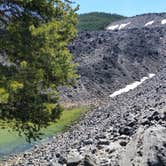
[(124, 7)]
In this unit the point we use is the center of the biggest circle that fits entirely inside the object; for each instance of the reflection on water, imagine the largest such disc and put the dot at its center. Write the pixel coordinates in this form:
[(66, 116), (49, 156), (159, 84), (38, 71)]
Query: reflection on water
[(11, 143)]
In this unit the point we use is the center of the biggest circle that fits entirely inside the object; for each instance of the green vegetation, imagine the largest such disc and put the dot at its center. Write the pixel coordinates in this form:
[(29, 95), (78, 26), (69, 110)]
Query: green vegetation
[(96, 20), (35, 37), (11, 142)]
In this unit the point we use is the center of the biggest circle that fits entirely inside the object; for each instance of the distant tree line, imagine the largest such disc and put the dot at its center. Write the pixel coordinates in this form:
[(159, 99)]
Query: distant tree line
[(96, 20)]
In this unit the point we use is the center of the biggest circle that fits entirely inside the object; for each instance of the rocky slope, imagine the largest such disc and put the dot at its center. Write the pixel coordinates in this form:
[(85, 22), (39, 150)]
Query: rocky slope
[(130, 130), (109, 60)]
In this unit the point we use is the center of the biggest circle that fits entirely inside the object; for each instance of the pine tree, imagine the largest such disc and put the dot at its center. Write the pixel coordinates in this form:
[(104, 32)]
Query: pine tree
[(34, 40)]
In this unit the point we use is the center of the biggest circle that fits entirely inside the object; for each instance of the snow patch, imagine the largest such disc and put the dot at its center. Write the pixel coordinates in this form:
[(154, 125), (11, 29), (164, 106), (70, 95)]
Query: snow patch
[(113, 27), (131, 86), (163, 22), (149, 23), (123, 25)]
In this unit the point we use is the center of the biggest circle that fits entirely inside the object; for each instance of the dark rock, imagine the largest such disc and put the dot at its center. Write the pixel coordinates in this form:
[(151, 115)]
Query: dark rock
[(125, 130), (123, 143), (94, 150), (145, 121), (62, 160), (57, 155), (153, 116), (103, 142), (89, 161)]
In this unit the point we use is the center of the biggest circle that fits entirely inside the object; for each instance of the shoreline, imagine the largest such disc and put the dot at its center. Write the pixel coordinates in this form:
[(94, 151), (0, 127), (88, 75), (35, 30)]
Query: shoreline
[(13, 156)]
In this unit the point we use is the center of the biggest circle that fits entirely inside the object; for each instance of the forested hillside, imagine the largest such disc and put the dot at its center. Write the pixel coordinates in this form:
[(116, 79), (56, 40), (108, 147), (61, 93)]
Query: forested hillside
[(96, 20)]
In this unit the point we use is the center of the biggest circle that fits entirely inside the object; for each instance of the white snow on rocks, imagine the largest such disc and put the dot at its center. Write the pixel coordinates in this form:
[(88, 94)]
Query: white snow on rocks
[(163, 22), (123, 25), (149, 23), (131, 86), (113, 27)]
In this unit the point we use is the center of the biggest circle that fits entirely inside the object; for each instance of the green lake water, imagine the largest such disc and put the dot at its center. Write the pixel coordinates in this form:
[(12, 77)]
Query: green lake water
[(11, 143)]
